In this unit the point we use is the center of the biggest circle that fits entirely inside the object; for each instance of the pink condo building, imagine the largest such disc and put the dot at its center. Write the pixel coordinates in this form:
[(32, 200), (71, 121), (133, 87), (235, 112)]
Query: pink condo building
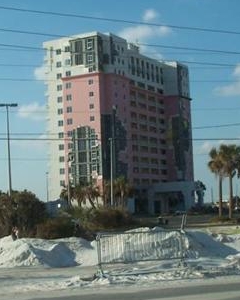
[(112, 108)]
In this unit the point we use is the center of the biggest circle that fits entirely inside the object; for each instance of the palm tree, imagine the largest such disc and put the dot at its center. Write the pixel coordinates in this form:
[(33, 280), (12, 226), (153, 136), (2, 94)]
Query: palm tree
[(122, 190), (106, 191), (230, 156), (79, 194), (86, 192), (92, 193), (216, 166), (67, 194)]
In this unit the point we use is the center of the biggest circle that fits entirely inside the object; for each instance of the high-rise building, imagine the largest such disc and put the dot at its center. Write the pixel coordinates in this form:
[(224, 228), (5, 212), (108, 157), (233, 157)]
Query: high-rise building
[(113, 110)]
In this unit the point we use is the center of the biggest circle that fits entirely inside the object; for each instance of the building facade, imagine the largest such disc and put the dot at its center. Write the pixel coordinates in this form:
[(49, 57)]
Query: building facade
[(112, 109)]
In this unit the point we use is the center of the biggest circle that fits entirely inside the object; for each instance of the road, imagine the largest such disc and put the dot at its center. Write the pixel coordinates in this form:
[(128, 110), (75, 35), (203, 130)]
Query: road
[(227, 288)]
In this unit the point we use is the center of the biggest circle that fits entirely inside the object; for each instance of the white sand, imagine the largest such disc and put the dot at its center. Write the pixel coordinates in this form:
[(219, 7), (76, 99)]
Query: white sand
[(32, 266)]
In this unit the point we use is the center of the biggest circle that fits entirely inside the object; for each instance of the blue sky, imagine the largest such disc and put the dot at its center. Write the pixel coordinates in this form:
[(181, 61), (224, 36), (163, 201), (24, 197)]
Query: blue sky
[(215, 89)]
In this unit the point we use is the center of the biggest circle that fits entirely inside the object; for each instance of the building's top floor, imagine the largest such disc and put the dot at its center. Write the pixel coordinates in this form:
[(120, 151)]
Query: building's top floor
[(108, 53)]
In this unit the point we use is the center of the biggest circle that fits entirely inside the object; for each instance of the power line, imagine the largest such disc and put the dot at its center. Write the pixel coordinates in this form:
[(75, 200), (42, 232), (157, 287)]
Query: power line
[(83, 80), (139, 44), (22, 47), (71, 15), (97, 139), (215, 108), (217, 126), (27, 159), (31, 32), (189, 48)]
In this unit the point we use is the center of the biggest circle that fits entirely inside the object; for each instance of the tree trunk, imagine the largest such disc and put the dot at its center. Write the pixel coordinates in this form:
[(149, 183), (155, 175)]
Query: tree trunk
[(220, 197), (230, 197), (91, 202)]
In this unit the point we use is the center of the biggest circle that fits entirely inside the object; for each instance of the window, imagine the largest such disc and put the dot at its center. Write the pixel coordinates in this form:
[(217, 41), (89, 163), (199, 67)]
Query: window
[(67, 62), (89, 44), (68, 73), (62, 183), (61, 146), (60, 135), (91, 94), (58, 51), (135, 170), (92, 118), (134, 147), (69, 109), (91, 69), (154, 161), (59, 87), (89, 58), (61, 158), (69, 121), (60, 111), (69, 133), (60, 123), (62, 171), (59, 99), (69, 97), (90, 81), (67, 49), (68, 85), (163, 151), (155, 171), (58, 64), (59, 75), (70, 145), (91, 106), (154, 150)]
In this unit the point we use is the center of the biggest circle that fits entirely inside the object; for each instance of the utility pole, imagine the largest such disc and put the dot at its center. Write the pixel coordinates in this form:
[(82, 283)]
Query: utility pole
[(70, 160), (7, 105), (47, 188), (111, 169), (112, 154)]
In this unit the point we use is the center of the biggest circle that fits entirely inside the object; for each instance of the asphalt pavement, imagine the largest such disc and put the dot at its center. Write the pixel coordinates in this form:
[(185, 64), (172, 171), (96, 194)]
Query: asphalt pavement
[(213, 289)]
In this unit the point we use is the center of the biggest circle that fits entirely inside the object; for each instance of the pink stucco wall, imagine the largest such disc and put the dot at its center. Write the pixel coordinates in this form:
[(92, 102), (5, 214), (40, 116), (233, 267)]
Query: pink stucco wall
[(114, 90)]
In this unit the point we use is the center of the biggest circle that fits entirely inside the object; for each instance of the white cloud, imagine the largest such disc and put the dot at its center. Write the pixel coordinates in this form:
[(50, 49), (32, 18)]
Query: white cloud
[(232, 89), (40, 73), (32, 111), (143, 33), (149, 15), (204, 148), (237, 71)]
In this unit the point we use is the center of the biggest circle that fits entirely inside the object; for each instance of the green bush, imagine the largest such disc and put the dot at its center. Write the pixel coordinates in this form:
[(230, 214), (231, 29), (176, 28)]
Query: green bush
[(23, 210), (93, 220), (55, 228), (83, 222), (223, 219), (103, 219)]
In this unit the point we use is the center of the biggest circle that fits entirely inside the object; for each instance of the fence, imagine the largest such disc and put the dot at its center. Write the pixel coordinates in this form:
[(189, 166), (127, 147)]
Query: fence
[(139, 246)]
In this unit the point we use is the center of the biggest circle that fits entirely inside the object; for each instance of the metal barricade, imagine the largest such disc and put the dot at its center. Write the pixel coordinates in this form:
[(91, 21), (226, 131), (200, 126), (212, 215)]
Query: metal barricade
[(139, 246)]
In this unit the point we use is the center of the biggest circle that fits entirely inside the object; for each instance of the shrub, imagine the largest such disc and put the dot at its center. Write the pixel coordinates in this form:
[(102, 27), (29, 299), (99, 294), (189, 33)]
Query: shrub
[(218, 219), (102, 219), (55, 228), (23, 209)]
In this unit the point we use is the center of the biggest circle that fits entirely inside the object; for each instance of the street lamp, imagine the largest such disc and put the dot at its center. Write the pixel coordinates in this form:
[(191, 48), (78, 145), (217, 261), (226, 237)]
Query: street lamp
[(7, 105)]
